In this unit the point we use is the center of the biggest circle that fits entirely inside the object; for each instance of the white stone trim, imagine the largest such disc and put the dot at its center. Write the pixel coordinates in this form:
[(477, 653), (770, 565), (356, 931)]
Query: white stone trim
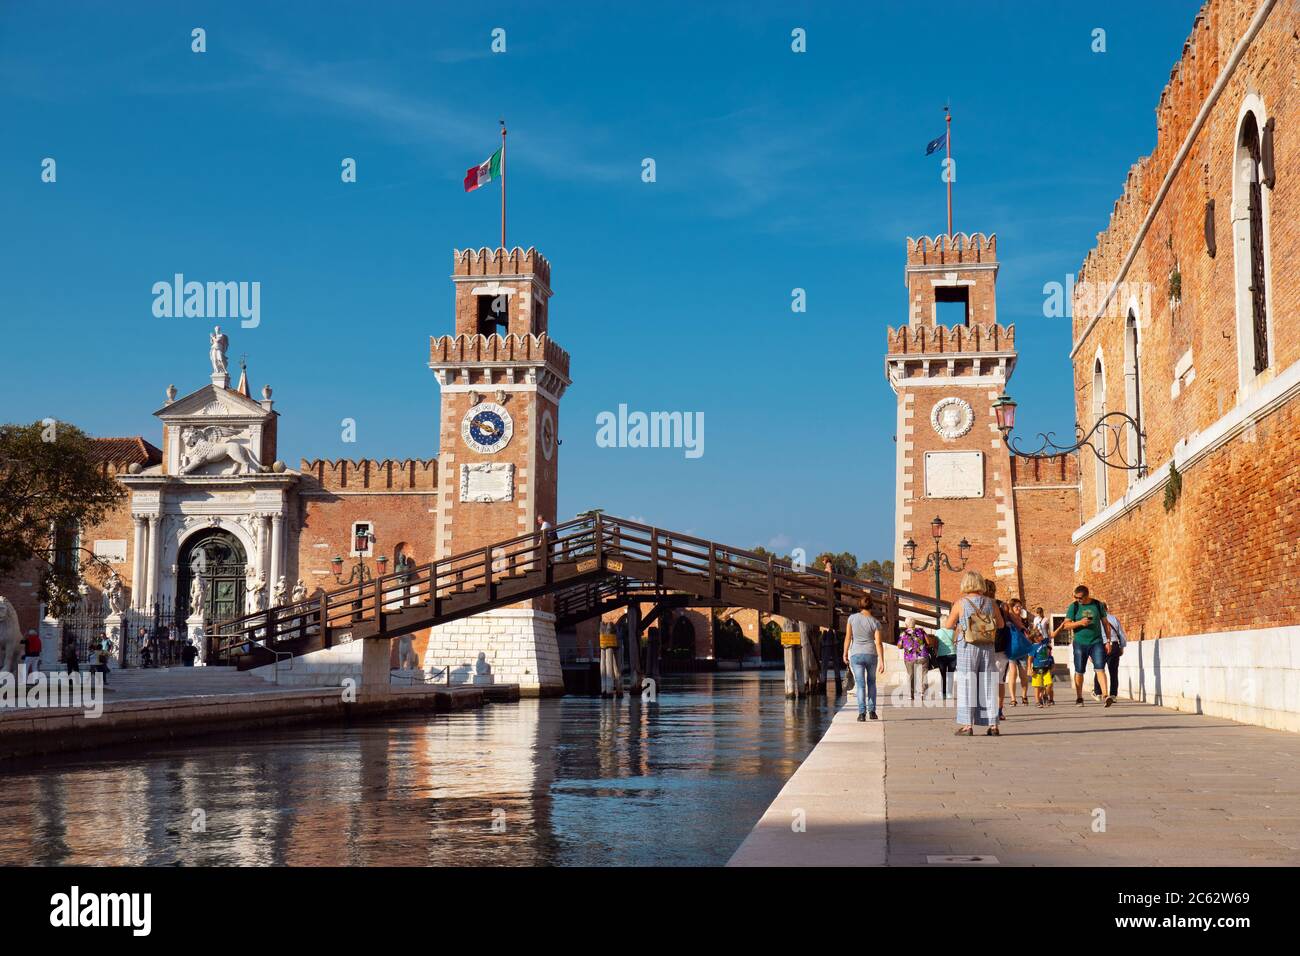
[(1251, 676), (1187, 452), (944, 381), (502, 386)]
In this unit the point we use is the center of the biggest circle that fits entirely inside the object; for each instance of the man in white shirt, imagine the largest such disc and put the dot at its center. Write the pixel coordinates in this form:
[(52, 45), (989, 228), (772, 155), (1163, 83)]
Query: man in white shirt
[(1117, 643)]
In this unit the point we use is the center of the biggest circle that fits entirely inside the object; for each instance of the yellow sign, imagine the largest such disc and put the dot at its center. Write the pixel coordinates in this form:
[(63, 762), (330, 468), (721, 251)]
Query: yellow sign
[(614, 565), (790, 639), (588, 565), (608, 640)]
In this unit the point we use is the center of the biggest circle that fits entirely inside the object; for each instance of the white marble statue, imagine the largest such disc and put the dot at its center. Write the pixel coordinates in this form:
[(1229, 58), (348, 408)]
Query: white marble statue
[(407, 659), (217, 351), (280, 593), (255, 591), (202, 446), (115, 593), (299, 592), (11, 636), (196, 595)]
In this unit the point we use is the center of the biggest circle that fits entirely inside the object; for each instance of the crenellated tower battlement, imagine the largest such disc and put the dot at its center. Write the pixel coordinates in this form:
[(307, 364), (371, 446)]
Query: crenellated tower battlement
[(961, 247)]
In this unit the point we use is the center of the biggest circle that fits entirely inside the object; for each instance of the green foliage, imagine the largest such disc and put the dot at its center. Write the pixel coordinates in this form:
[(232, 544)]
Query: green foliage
[(879, 572), (48, 480), (1173, 487), (1176, 285), (844, 563)]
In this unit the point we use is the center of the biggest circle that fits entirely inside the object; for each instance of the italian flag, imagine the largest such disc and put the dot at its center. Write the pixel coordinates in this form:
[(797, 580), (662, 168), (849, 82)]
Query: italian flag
[(484, 173)]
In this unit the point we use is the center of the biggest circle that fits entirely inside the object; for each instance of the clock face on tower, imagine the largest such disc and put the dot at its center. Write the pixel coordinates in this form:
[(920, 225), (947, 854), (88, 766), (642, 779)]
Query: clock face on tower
[(487, 428), (548, 435)]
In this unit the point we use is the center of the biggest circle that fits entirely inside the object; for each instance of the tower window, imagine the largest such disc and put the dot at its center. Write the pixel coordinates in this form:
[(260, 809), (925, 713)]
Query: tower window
[(952, 305), (493, 314)]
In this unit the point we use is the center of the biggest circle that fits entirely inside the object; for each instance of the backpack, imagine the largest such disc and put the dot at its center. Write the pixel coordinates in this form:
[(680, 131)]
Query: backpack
[(980, 628)]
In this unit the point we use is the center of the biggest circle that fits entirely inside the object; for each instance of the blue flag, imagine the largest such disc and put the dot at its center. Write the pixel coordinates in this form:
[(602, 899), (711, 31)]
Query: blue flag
[(939, 143)]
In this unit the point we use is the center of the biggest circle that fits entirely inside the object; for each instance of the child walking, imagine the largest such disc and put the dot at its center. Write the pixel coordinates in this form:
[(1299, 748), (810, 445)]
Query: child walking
[(1041, 660)]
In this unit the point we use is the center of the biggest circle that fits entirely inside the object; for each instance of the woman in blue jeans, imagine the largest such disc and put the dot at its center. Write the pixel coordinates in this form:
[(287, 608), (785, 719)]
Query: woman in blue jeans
[(865, 655)]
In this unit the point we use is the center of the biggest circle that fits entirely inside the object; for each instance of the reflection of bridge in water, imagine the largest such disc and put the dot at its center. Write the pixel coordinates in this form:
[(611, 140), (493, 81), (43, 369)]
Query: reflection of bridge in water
[(569, 780), (590, 566)]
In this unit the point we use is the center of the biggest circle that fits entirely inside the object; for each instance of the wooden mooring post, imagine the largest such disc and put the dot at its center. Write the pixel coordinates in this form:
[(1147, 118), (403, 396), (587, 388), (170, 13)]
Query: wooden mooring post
[(792, 646), (611, 681), (832, 657), (634, 648)]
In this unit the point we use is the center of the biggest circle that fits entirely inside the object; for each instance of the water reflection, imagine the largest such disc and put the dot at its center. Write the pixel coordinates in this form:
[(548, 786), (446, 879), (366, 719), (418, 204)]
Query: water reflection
[(569, 781)]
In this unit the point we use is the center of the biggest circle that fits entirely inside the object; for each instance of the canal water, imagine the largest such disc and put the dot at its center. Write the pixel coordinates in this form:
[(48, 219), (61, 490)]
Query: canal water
[(568, 781)]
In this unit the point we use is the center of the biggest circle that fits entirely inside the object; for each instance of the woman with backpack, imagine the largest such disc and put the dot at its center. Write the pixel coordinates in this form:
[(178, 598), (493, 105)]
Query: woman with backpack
[(976, 620), (1018, 650)]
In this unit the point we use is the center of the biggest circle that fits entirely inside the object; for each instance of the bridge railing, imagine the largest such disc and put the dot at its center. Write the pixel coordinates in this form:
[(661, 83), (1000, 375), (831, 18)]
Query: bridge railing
[(590, 542), (425, 584)]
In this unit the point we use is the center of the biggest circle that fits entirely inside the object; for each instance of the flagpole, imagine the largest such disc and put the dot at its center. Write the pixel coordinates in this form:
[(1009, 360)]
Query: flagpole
[(503, 184), (948, 167)]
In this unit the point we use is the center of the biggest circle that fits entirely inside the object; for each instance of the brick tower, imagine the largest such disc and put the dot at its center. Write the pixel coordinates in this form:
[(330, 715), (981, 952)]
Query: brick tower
[(947, 366), (501, 379)]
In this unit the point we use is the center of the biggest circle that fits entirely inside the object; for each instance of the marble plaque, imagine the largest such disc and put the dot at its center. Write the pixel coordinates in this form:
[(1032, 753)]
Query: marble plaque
[(954, 474), (487, 481), (113, 552)]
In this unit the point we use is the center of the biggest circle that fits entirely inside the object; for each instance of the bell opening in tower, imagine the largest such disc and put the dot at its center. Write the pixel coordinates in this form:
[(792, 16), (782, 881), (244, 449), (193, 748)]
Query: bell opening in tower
[(952, 305), (493, 314)]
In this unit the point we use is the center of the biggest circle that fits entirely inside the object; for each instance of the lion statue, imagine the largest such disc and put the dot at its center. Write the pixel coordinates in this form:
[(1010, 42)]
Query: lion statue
[(11, 637), (204, 446)]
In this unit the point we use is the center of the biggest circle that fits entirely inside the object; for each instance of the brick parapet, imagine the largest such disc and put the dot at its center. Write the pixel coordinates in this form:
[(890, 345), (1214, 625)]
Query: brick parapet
[(343, 474)]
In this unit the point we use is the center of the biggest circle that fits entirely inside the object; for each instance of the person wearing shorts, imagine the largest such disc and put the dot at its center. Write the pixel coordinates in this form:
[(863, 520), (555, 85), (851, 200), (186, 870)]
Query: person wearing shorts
[(1085, 619), (1041, 660)]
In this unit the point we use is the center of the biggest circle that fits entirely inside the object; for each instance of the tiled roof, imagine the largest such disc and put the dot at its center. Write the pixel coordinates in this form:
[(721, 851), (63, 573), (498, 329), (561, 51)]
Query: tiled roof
[(123, 451)]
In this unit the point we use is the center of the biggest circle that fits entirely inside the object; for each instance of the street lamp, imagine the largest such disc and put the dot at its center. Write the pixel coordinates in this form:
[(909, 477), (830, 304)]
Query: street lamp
[(1111, 425), (360, 572), (936, 559)]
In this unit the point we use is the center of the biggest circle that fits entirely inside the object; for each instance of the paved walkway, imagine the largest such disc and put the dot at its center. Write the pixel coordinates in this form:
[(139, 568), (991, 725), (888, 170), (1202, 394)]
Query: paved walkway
[(1133, 785)]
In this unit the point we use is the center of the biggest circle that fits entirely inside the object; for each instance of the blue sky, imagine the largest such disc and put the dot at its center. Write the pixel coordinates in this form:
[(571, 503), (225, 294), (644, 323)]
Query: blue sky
[(775, 170)]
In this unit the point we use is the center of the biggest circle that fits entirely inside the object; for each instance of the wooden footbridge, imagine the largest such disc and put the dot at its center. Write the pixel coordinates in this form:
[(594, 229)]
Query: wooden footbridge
[(588, 566)]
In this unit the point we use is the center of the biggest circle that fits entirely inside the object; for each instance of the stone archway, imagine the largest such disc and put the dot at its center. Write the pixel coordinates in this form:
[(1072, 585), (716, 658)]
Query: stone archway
[(219, 559)]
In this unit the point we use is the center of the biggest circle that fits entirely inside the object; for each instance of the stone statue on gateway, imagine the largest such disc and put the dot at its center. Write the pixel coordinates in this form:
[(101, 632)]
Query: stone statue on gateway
[(217, 351)]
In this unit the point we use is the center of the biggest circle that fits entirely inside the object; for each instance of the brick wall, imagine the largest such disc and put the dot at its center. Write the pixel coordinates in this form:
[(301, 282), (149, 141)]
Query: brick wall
[(1225, 557), (1046, 492), (398, 498)]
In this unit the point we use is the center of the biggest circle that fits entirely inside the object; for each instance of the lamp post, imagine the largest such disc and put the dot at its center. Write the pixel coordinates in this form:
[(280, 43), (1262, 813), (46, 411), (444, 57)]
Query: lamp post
[(938, 559), (360, 573), (1111, 426)]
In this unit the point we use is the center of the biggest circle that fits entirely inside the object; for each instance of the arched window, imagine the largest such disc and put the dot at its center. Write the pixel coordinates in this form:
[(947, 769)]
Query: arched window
[(1133, 450), (1250, 246), (1098, 410)]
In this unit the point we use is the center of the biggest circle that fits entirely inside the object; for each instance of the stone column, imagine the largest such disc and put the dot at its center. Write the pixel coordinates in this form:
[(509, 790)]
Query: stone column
[(151, 571), (263, 549), (138, 583), (277, 549)]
